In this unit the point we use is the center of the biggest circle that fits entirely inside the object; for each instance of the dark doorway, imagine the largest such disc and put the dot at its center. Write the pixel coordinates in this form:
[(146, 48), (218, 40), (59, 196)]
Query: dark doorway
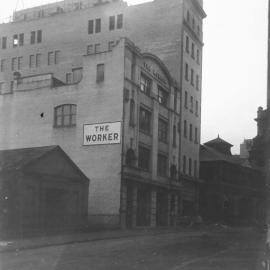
[(162, 208), (143, 206)]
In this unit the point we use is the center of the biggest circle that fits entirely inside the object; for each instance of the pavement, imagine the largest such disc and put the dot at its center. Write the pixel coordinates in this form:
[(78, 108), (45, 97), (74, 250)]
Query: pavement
[(34, 242)]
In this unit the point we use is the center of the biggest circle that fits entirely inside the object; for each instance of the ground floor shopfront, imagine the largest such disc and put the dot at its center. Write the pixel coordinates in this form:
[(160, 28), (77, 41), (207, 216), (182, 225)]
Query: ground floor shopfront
[(150, 204)]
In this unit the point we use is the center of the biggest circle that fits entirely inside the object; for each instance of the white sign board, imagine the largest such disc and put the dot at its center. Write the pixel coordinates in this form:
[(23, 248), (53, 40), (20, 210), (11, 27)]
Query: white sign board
[(102, 133)]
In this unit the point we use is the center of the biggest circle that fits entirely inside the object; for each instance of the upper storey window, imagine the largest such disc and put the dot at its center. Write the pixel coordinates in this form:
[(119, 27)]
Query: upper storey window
[(116, 21), (36, 36), (65, 115), (112, 23), (163, 96), (100, 73), (15, 40), (145, 120), (145, 84), (119, 21), (4, 42), (94, 25)]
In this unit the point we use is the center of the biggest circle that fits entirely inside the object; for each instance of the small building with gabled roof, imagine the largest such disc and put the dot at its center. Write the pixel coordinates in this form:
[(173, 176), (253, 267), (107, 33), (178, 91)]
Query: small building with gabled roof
[(41, 190)]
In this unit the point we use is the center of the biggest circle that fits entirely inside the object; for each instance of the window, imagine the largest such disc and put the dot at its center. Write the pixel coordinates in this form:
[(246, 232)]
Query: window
[(186, 99), (188, 16), (98, 25), (11, 86), (111, 22), (4, 42), (197, 108), (145, 84), (193, 50), (187, 44), (162, 165), (174, 136), (144, 158), (195, 168), (197, 82), (189, 166), (15, 41), (56, 57), (14, 63), (32, 61), (173, 172), (68, 78), (110, 45), (198, 30), (162, 130), (50, 58), (21, 39), (39, 36), (32, 37), (132, 113), (89, 49), (198, 57), (100, 73), (193, 23), (145, 120), (184, 164), (186, 72), (119, 21), (20, 61), (1, 86), (185, 128), (175, 99), (191, 104), (162, 96), (3, 65), (90, 27), (97, 48), (192, 77), (38, 60), (190, 132), (65, 115), (196, 135)]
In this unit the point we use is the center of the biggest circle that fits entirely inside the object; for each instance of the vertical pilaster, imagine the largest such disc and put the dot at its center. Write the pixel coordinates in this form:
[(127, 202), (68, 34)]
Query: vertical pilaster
[(134, 205), (169, 208), (123, 206), (153, 213)]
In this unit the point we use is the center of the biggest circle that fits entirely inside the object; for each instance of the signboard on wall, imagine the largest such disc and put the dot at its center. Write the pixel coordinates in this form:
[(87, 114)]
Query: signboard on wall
[(102, 133)]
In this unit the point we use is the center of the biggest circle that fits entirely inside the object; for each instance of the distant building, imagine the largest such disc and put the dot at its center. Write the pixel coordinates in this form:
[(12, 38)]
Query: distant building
[(245, 147), (76, 50), (233, 190)]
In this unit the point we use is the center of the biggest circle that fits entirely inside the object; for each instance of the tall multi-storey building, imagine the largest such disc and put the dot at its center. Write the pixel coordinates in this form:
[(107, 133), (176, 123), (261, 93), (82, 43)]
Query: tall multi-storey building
[(46, 47)]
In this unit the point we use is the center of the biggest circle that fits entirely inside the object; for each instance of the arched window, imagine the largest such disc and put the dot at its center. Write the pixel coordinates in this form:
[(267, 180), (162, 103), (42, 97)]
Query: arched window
[(132, 113), (130, 157), (174, 135), (65, 115), (173, 171)]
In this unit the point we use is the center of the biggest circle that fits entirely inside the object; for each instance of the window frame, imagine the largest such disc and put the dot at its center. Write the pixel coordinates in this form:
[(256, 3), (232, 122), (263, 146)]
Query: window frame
[(111, 23), (39, 36), (90, 27), (162, 165), (145, 123), (98, 25), (163, 96), (144, 158), (163, 130), (4, 43), (32, 37), (119, 21), (70, 114), (100, 73), (145, 84)]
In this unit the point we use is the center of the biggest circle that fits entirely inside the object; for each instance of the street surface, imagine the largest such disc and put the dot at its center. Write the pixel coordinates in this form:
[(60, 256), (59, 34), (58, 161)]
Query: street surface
[(167, 251)]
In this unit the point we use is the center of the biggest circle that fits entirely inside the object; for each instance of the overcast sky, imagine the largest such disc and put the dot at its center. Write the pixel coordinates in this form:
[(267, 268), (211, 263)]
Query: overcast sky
[(234, 65)]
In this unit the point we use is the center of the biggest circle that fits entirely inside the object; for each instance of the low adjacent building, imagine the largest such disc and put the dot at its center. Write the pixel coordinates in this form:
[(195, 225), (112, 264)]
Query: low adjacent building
[(41, 190), (234, 191)]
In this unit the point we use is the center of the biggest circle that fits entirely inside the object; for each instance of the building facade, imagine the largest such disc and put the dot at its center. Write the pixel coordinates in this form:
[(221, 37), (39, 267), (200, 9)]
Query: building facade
[(233, 191), (35, 53)]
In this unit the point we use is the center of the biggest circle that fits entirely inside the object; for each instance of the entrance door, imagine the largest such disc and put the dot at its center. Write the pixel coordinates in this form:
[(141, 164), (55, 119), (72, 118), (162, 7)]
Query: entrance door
[(162, 208), (143, 207)]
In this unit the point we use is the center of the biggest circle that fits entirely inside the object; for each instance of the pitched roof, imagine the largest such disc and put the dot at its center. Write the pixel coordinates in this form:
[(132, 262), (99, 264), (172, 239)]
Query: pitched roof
[(208, 154), (217, 141), (15, 159)]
